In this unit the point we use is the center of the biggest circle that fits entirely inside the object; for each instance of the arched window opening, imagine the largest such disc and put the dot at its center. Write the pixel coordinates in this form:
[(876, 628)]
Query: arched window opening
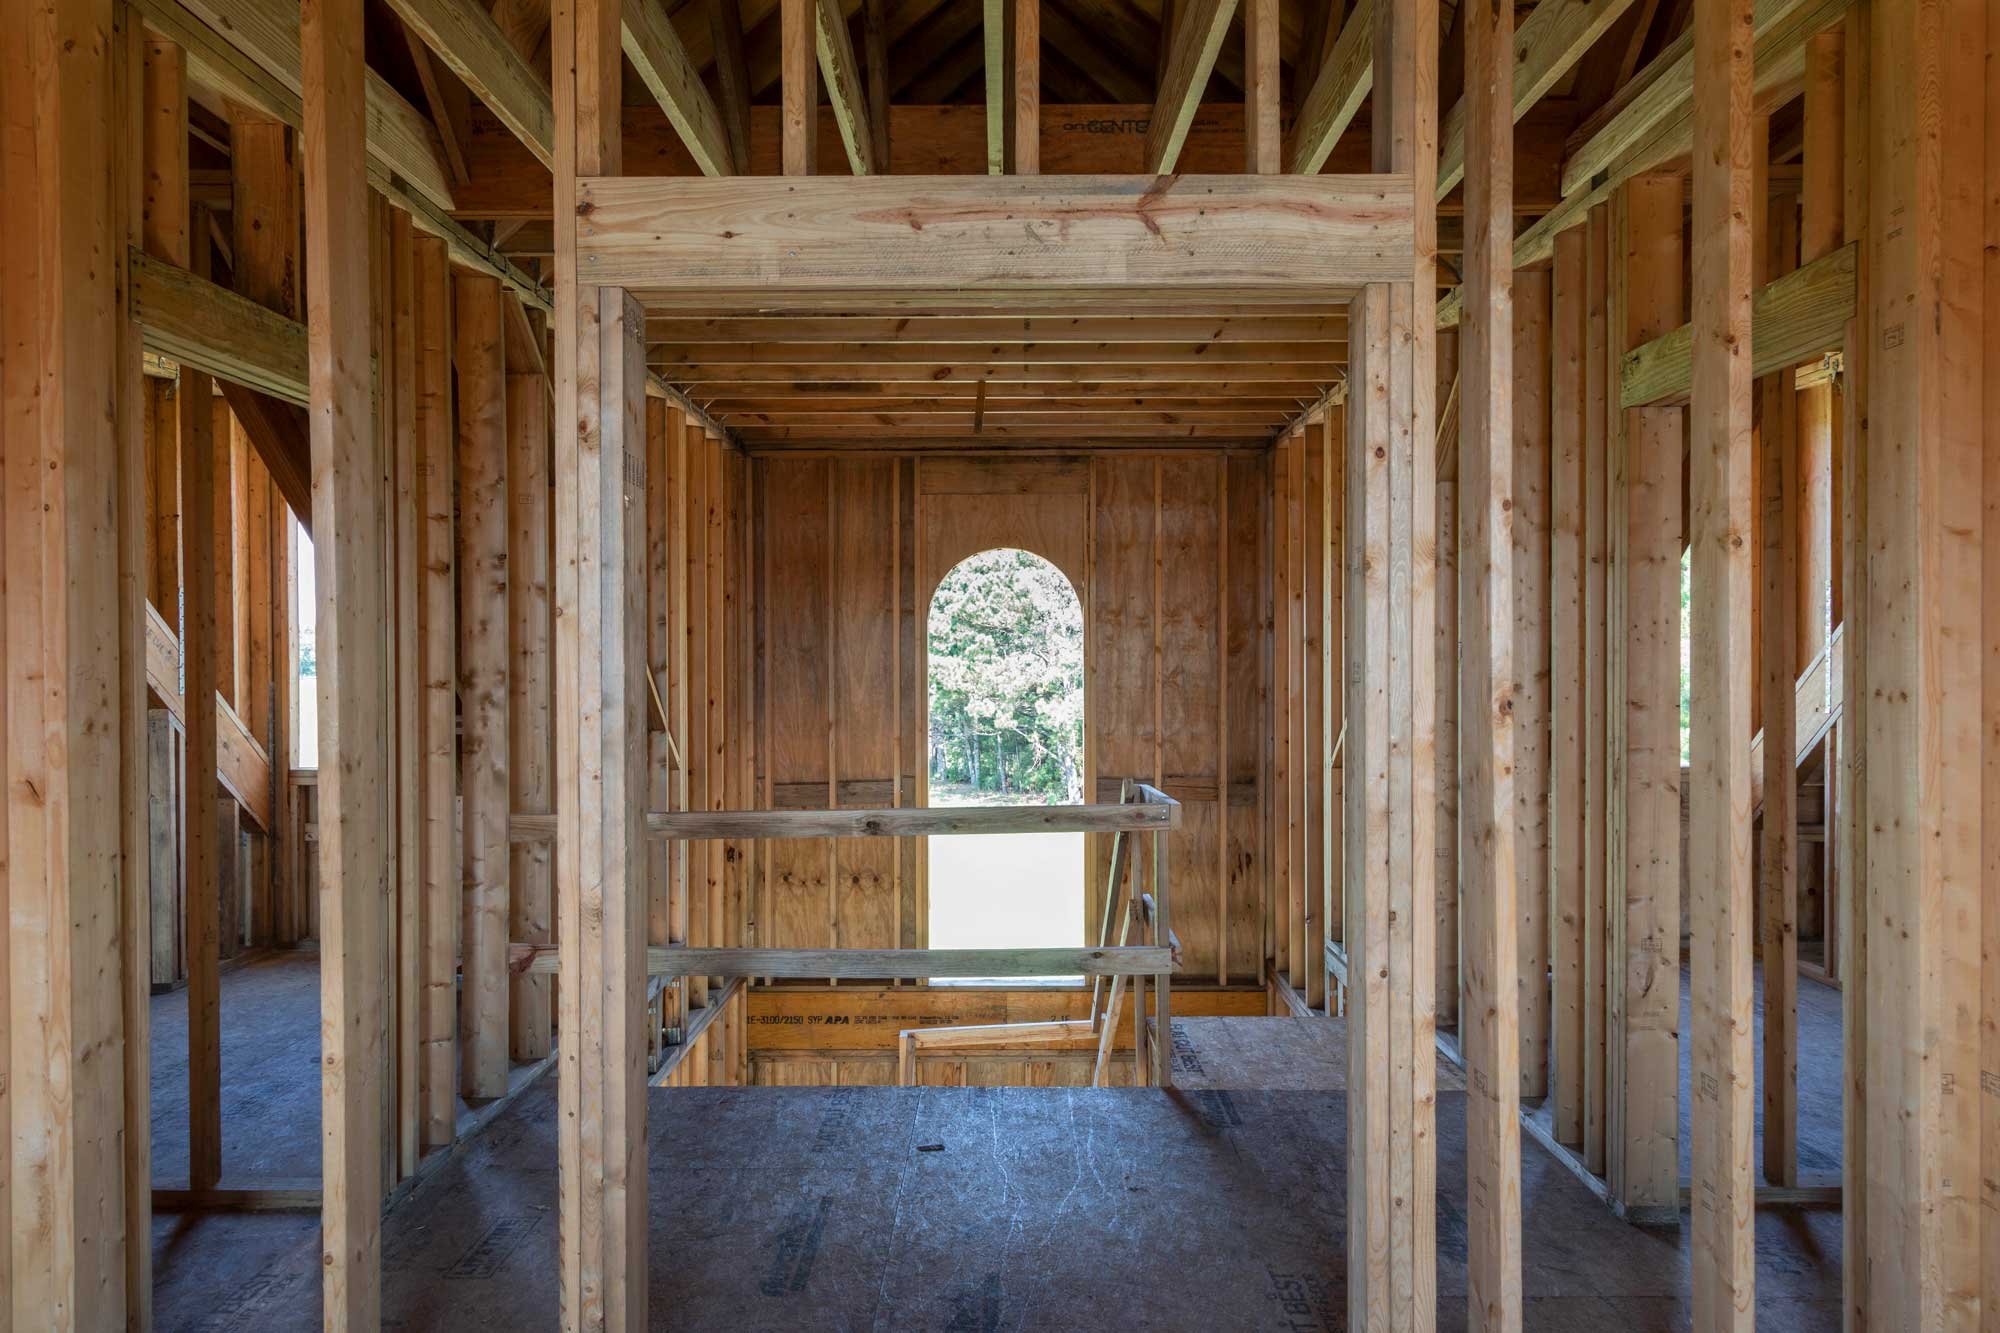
[(1005, 652)]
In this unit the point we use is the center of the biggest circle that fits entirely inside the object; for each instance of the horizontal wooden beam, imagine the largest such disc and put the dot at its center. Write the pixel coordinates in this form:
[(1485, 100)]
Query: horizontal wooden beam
[(888, 964), (931, 239), (687, 361), (1799, 316), (654, 47), (770, 438), (749, 411), (1218, 422), (892, 823), (1337, 92), (722, 398), (202, 324), (702, 381), (990, 330), (802, 1018), (301, 1196), (466, 39), (916, 822)]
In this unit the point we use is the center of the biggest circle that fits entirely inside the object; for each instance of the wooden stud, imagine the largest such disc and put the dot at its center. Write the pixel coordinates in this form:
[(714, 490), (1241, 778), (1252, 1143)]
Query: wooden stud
[(1390, 715), (1531, 388), (1820, 217), (1643, 1153), (732, 77), (437, 599), (1489, 951), (995, 40), (1596, 610), (1926, 534), (1263, 139), (351, 580), (800, 86), (63, 114), (1566, 686), (483, 682), (1851, 837), (1719, 875), (1447, 843), (530, 744), (601, 694), (399, 424), (1777, 499), (1024, 139), (875, 54)]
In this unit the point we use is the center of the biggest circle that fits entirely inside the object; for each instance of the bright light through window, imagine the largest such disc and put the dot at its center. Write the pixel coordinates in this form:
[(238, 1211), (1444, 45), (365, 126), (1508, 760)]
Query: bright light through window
[(1006, 728)]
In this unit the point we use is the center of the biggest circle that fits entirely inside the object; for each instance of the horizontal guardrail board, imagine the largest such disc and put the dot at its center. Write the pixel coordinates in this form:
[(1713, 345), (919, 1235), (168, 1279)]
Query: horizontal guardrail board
[(913, 822), (1158, 813), (910, 964)]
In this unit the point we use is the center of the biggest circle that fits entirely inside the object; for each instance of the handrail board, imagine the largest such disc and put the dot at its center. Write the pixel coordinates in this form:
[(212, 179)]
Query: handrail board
[(1156, 812), (912, 822), (907, 964)]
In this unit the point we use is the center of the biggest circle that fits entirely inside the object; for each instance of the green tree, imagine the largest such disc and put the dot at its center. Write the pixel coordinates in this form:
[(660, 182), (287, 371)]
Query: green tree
[(1006, 679)]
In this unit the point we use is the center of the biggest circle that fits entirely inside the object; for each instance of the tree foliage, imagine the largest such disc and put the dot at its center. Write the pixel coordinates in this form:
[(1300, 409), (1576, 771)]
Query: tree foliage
[(1006, 680)]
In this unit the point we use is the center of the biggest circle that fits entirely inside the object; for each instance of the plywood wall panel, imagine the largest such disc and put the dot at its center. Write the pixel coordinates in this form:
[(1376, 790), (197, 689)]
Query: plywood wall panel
[(851, 551), (796, 537), (862, 670), (1246, 516), (1190, 696)]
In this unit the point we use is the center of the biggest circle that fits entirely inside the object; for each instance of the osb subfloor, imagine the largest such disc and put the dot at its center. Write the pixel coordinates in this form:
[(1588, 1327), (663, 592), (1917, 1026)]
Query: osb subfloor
[(270, 1074), (958, 1208)]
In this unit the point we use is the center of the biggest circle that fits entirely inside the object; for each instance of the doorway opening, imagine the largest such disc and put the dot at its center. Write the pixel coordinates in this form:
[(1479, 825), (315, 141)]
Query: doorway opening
[(1005, 668)]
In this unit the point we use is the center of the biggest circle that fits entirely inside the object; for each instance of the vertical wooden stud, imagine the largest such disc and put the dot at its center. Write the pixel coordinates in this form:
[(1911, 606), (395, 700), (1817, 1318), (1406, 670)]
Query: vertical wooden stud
[(1532, 670), (62, 210), (437, 646), (483, 681), (353, 667), (1644, 1154), (600, 694), (1566, 581), (799, 87), (530, 744), (1489, 908), (1719, 876), (1925, 894)]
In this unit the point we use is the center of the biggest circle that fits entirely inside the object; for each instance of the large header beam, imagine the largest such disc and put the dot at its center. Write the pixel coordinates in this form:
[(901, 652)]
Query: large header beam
[(696, 243)]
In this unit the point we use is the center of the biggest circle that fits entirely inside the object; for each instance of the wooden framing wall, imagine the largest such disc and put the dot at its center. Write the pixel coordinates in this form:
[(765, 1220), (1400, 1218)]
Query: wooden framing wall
[(1170, 570), (519, 553)]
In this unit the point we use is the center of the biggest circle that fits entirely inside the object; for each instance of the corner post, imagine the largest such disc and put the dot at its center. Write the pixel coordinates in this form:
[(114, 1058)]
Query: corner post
[(600, 499), (1391, 717)]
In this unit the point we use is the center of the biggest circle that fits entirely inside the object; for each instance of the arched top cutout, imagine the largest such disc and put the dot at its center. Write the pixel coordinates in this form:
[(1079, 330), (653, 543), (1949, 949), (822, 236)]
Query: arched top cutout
[(1005, 648)]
